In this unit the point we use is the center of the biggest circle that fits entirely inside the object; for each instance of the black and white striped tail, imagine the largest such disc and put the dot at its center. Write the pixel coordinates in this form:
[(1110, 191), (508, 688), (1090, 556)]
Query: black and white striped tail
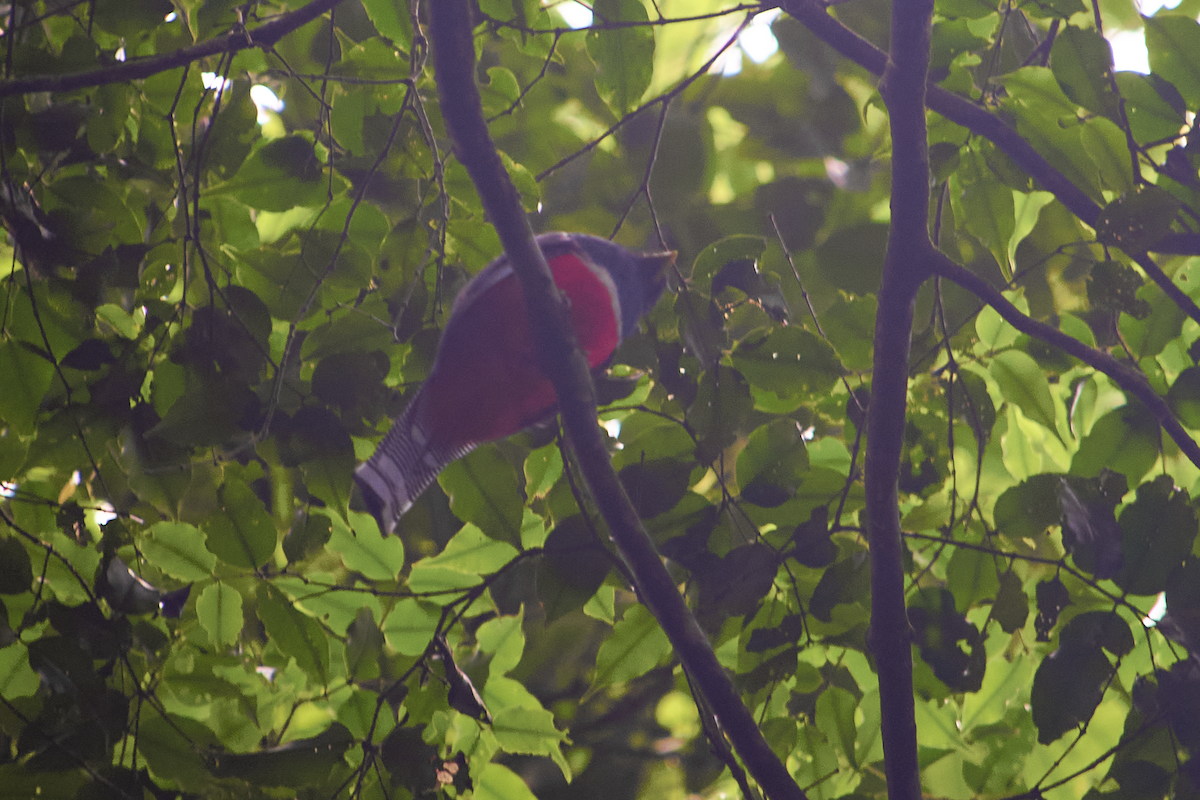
[(403, 466)]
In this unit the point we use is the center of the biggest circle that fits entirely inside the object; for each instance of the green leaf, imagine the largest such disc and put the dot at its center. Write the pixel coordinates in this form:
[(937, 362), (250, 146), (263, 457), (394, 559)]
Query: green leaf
[(624, 56), (1150, 336), (280, 175), (1124, 440), (835, 718), (655, 487), (771, 466), (364, 646), (410, 626), (1082, 63), (717, 254), (527, 730), (484, 490), (219, 611), (788, 361), (295, 633), (323, 448), (701, 326), (543, 468), (379, 558), (1154, 108), (849, 324), (498, 782), (17, 678), (504, 638), (500, 92), (719, 411), (1011, 609), (177, 548), (386, 17), (1108, 147), (938, 628), (1184, 397), (636, 646), (27, 378), (1023, 384), (172, 746), (972, 577), (988, 210), (243, 534), (1173, 43), (1114, 286), (470, 552)]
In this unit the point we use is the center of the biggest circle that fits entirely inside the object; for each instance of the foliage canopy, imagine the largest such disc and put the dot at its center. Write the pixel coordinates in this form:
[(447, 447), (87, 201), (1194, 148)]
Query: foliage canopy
[(210, 311)]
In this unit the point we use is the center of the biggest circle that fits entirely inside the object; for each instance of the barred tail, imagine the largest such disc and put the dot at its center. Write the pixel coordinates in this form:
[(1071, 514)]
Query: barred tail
[(403, 466)]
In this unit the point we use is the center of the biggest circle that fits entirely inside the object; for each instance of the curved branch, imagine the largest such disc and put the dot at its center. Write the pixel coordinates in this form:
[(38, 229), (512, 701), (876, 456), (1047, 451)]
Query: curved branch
[(454, 53), (265, 35), (1129, 380), (983, 123)]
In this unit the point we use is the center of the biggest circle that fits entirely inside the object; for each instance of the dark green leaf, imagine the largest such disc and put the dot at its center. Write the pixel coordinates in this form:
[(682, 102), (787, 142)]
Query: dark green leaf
[(1159, 528), (847, 581), (1067, 687), (304, 762), (719, 412), (1052, 598), (28, 377), (938, 628), (655, 487), (1114, 286), (16, 569), (771, 466), (1089, 527), (574, 567), (814, 548), (122, 589), (1011, 609), (852, 258), (1136, 221)]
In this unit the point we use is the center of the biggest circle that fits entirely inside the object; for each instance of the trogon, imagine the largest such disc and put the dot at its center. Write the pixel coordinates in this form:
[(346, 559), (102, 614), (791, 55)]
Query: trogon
[(485, 383)]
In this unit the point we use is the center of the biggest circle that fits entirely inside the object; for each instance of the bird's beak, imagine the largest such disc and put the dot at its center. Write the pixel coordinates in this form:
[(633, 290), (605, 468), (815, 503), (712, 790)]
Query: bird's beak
[(657, 263)]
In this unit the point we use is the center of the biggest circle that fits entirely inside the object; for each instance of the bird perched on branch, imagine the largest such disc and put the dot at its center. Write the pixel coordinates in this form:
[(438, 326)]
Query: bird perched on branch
[(485, 383)]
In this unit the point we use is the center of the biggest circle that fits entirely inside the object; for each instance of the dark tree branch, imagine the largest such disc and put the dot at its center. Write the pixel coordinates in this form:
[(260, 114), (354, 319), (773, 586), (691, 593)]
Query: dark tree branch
[(263, 36), (905, 268), (1131, 381), (454, 54)]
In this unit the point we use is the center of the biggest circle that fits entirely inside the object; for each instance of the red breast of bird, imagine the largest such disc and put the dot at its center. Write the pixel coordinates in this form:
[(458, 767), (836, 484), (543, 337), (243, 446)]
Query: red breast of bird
[(485, 383)]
